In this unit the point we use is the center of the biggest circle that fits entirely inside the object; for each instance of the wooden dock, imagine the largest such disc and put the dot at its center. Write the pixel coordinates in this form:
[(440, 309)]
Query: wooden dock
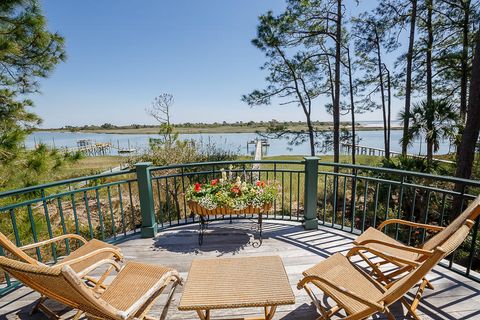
[(259, 145), (263, 141), (371, 151), (90, 150)]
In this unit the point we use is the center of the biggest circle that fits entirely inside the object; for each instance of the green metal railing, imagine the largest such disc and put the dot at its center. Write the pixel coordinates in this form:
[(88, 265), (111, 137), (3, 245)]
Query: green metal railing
[(169, 186), (114, 206), (101, 206)]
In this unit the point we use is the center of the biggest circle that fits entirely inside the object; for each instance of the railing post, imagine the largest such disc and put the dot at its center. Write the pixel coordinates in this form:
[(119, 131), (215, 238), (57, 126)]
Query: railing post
[(149, 225), (310, 193)]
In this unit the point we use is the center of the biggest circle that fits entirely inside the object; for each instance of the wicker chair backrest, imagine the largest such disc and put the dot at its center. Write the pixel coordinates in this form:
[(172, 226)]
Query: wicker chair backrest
[(471, 213), (402, 286), (60, 284), (10, 247)]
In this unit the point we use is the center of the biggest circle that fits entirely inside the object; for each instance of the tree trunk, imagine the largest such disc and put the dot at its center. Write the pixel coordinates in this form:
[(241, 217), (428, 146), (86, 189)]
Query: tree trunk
[(336, 105), (429, 152), (311, 136), (408, 83), (472, 128), (429, 4), (389, 111), (464, 59), (354, 142), (352, 106), (382, 92)]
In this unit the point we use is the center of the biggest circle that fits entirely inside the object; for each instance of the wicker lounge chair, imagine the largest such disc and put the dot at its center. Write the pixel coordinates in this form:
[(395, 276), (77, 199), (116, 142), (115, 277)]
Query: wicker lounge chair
[(130, 295), (360, 295), (84, 257), (402, 256)]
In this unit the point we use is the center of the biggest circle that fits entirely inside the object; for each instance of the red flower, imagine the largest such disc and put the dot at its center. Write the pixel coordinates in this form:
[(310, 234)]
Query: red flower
[(198, 187), (261, 184), (214, 182), (235, 190)]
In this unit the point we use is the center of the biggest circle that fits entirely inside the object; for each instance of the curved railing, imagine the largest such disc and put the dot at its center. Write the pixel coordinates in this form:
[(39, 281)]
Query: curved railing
[(117, 205)]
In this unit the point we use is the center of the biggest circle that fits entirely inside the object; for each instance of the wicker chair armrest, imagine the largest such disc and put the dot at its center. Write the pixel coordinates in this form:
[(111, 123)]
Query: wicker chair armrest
[(383, 255), (396, 246), (410, 224), (323, 285), (98, 264), (53, 240), (116, 253)]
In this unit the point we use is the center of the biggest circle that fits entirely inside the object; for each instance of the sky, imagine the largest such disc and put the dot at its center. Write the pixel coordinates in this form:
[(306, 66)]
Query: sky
[(122, 54)]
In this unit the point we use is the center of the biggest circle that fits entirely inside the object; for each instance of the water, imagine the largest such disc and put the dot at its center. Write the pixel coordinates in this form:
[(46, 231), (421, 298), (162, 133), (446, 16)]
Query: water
[(232, 141)]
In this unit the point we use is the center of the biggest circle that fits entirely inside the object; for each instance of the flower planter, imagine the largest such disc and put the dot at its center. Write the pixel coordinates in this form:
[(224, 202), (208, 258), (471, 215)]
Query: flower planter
[(201, 211), (204, 212)]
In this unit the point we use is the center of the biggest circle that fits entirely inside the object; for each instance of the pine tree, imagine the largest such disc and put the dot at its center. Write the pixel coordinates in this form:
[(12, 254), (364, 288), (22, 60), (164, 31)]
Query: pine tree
[(293, 78), (28, 52), (372, 42), (319, 26)]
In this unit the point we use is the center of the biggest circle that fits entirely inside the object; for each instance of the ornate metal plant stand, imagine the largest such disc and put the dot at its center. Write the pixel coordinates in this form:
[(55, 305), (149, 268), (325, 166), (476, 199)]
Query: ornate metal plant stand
[(203, 213)]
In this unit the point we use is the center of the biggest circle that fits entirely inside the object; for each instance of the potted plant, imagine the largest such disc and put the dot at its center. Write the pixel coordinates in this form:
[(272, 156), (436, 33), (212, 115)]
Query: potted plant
[(226, 196), (231, 196)]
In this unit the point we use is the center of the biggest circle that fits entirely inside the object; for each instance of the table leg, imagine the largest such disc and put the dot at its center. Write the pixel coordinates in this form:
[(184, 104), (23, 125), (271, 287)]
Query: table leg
[(270, 312), (204, 315)]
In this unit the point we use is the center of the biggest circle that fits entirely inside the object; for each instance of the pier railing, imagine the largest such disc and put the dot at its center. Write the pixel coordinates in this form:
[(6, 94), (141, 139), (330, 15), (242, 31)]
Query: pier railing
[(347, 148), (115, 206)]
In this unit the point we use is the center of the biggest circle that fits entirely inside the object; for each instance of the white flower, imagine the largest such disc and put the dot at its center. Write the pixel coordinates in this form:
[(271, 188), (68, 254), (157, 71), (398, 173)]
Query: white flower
[(207, 203), (224, 174), (244, 186)]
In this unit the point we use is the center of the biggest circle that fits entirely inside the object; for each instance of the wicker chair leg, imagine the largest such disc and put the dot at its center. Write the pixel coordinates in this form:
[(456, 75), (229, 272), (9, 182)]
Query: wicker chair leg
[(410, 311), (412, 308), (429, 284), (78, 315), (40, 306), (36, 308), (169, 299), (390, 315), (325, 314), (142, 313)]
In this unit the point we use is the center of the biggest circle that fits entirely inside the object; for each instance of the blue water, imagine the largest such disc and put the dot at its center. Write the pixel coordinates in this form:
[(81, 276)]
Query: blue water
[(232, 141)]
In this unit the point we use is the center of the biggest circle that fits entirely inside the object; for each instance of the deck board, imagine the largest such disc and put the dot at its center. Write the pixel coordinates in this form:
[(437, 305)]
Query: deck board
[(454, 297)]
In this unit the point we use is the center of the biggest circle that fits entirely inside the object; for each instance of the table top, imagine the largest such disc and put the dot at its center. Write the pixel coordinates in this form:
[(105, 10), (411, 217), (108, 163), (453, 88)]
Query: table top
[(236, 283)]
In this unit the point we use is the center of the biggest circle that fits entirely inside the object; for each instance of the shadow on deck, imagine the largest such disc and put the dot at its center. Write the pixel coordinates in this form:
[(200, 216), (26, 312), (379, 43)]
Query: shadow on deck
[(454, 297)]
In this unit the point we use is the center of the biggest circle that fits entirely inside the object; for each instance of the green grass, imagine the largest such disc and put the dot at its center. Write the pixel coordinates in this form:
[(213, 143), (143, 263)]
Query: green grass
[(360, 159), (87, 166)]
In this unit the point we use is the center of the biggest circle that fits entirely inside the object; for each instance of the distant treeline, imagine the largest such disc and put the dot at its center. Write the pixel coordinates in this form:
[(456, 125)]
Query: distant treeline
[(251, 124)]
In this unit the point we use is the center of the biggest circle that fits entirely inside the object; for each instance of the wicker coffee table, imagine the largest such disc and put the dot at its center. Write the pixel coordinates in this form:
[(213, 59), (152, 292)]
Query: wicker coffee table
[(236, 283)]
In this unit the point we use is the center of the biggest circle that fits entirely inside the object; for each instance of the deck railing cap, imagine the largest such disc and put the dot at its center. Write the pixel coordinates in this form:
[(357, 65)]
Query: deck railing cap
[(143, 164)]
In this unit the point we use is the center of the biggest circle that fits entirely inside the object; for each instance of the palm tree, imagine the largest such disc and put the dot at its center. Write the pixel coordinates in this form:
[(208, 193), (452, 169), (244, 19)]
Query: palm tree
[(434, 121)]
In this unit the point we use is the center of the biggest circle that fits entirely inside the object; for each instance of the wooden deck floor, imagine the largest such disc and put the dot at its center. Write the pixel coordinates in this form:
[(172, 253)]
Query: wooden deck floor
[(454, 297)]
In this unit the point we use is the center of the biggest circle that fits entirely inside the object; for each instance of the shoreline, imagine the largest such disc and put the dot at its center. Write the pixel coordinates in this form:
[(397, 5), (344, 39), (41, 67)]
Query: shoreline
[(196, 130)]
